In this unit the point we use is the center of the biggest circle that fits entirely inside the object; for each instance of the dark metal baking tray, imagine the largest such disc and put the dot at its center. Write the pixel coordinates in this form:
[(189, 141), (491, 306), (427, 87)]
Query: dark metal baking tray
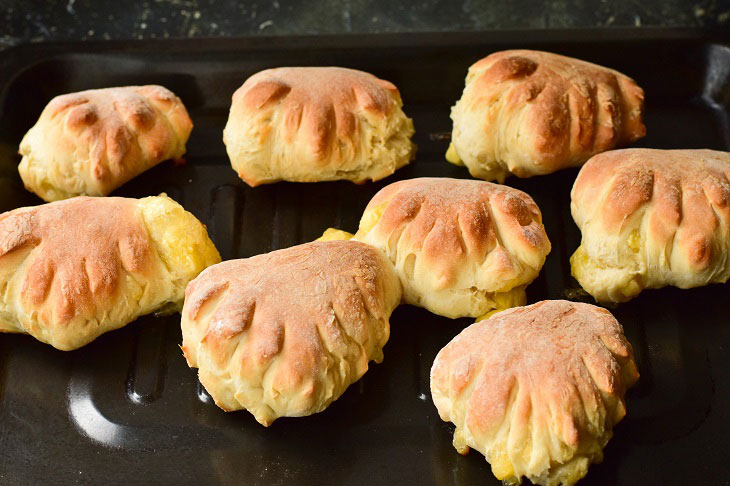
[(127, 410)]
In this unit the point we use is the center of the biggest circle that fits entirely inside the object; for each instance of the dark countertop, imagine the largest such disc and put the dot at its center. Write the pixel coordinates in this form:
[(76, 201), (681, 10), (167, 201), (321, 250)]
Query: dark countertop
[(24, 21)]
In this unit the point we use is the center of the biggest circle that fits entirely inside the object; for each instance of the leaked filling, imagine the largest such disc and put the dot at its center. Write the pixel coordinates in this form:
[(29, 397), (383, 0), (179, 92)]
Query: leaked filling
[(453, 156), (334, 234), (370, 218), (181, 240), (505, 300), (581, 266), (566, 470), (368, 221)]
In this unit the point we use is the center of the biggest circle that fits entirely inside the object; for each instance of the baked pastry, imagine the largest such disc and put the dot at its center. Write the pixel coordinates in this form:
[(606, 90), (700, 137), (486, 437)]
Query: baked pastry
[(536, 389), (460, 247), (310, 124), (285, 333), (529, 113), (91, 142), (651, 218), (73, 270)]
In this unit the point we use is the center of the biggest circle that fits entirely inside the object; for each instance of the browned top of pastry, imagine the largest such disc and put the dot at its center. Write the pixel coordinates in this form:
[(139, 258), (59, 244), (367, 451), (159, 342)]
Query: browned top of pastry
[(319, 294), (680, 189), (319, 101), (553, 364), (123, 131), (70, 271), (575, 107), (454, 221)]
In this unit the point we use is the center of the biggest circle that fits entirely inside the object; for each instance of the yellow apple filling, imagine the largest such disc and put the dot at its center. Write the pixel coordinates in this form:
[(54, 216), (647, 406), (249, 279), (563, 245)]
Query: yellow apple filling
[(581, 266), (333, 234), (505, 300), (182, 241), (368, 221), (634, 241), (370, 218), (501, 465), (631, 289), (459, 442), (578, 262), (452, 156)]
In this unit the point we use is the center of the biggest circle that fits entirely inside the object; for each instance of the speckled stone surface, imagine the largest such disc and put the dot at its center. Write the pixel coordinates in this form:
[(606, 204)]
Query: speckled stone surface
[(38, 21)]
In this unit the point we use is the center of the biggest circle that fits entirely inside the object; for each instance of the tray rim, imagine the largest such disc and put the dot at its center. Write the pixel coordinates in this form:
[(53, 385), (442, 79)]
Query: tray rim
[(405, 39), (17, 58)]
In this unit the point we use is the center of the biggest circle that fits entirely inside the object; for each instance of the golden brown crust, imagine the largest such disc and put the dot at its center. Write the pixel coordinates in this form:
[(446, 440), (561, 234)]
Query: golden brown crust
[(93, 141), (576, 106), (452, 219), (74, 269), (70, 272), (546, 111), (318, 118), (676, 203), (465, 235), (285, 333), (319, 101), (529, 378)]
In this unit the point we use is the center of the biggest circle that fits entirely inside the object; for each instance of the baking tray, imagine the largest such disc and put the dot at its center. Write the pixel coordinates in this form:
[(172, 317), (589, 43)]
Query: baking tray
[(127, 409)]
